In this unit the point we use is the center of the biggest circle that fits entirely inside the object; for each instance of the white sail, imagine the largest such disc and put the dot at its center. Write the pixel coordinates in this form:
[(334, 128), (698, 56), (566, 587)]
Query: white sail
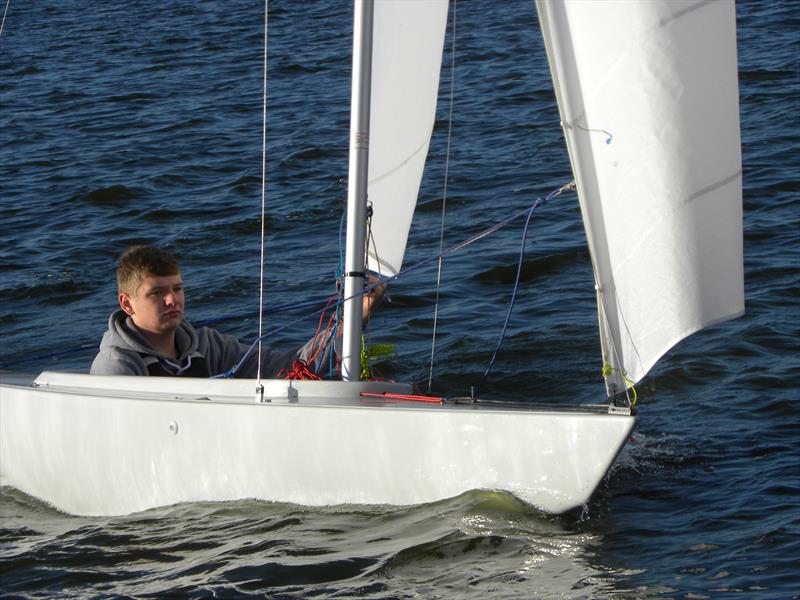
[(407, 55), (661, 199)]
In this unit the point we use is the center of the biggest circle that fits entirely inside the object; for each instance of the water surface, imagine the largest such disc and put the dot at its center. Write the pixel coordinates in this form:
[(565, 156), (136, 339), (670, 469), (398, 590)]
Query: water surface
[(139, 121)]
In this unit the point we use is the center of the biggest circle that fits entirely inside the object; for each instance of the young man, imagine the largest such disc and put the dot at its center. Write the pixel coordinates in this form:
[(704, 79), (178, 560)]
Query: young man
[(149, 336)]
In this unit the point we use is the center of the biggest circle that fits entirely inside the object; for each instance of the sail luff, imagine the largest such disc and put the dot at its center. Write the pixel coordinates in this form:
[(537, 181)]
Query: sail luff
[(559, 54), (648, 96)]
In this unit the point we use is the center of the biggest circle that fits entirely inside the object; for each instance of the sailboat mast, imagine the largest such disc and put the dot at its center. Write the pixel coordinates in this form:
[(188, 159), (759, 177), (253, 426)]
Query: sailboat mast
[(357, 189)]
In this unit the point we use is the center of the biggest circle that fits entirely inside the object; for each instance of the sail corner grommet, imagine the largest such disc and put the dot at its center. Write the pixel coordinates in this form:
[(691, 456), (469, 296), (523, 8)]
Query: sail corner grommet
[(173, 427)]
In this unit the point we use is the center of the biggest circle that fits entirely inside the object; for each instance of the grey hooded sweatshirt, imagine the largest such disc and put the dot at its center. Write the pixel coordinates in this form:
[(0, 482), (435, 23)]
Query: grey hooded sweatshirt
[(125, 351)]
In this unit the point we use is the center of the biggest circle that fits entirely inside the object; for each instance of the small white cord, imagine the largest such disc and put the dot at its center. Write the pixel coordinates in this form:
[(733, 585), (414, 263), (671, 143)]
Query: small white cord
[(3, 22), (444, 193), (259, 387)]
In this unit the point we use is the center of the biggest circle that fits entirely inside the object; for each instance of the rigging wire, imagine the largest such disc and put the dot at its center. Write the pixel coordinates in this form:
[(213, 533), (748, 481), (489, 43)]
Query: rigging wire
[(259, 387), (444, 192), (5, 11)]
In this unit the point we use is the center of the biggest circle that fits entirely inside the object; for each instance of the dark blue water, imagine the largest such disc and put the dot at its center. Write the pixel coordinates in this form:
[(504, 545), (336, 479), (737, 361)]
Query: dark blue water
[(127, 122)]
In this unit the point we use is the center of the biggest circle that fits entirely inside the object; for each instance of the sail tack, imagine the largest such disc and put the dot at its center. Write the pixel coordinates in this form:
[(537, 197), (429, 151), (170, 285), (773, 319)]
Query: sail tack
[(648, 96), (406, 59)]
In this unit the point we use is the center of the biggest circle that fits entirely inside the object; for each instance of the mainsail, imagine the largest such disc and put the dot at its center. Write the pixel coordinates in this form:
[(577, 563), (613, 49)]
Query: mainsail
[(407, 48), (648, 96)]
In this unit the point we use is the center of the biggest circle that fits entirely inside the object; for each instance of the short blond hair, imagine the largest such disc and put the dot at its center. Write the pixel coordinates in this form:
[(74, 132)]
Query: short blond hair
[(138, 262)]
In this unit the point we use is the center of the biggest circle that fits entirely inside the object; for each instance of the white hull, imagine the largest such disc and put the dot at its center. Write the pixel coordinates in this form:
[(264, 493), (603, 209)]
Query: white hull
[(93, 445)]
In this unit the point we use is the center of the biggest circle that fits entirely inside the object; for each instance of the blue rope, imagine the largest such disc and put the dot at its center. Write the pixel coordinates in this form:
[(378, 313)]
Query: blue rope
[(340, 293), (235, 368), (539, 202), (513, 297)]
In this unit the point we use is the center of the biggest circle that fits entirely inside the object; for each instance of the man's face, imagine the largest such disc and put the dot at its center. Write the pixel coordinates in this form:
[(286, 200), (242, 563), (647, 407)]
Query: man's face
[(157, 306)]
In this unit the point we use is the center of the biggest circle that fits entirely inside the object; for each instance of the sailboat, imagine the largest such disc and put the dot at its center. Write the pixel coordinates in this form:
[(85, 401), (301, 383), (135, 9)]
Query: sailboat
[(652, 128)]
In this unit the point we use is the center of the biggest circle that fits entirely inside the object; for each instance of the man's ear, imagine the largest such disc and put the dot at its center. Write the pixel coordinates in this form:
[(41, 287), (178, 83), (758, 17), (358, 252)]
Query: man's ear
[(125, 304)]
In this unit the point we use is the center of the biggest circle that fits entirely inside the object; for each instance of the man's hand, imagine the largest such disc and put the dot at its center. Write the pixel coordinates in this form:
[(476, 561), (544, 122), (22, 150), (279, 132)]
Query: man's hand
[(373, 298)]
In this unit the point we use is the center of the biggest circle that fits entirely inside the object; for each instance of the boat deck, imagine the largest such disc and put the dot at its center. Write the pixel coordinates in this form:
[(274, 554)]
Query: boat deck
[(276, 391)]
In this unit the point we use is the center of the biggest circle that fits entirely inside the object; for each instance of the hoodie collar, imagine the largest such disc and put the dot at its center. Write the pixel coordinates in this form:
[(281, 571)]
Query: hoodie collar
[(126, 335)]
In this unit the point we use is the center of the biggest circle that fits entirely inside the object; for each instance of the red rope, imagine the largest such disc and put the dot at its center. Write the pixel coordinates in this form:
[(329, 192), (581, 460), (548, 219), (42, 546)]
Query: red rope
[(409, 397), (300, 370), (325, 336)]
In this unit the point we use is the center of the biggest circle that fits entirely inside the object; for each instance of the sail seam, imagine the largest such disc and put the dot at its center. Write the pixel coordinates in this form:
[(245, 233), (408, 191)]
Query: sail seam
[(402, 163), (684, 11), (643, 236), (710, 188)]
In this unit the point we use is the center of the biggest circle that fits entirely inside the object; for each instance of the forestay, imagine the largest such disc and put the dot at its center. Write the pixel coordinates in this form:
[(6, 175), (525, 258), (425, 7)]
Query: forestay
[(648, 96), (407, 54)]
